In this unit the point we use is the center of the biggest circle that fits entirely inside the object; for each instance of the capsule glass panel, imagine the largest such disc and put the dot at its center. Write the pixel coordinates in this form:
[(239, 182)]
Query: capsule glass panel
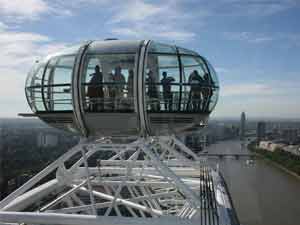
[(162, 79), (57, 83), (184, 51), (197, 85), (34, 87), (108, 83), (156, 47), (48, 86), (215, 87)]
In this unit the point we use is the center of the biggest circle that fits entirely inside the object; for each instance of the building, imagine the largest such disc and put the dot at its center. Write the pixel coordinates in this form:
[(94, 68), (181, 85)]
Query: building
[(45, 139), (293, 149), (261, 131), (270, 146), (243, 126), (290, 135)]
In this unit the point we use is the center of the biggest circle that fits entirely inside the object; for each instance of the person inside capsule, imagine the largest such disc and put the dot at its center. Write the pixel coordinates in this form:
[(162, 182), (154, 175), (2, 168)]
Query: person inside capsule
[(167, 93), (195, 98), (95, 91), (119, 84)]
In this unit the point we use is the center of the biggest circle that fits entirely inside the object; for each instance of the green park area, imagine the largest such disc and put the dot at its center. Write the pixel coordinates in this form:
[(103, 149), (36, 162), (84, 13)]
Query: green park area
[(283, 158)]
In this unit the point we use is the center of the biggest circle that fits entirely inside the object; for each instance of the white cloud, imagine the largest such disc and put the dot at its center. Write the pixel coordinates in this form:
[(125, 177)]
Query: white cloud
[(12, 99), (16, 11), (266, 8), (246, 89), (30, 9), (2, 26), (250, 37), (19, 50), (136, 11), (154, 33), (283, 39), (275, 88), (266, 99), (137, 19), (253, 8), (127, 18), (263, 106), (11, 37)]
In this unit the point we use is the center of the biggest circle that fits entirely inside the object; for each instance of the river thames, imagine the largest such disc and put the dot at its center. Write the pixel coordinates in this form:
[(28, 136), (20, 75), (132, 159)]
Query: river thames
[(262, 193)]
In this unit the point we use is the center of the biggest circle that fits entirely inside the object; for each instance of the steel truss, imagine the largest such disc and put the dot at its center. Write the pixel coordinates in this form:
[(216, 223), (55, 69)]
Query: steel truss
[(155, 180)]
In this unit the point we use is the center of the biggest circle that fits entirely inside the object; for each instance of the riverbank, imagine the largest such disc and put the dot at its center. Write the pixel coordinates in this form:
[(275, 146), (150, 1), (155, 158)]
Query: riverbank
[(262, 193), (281, 159)]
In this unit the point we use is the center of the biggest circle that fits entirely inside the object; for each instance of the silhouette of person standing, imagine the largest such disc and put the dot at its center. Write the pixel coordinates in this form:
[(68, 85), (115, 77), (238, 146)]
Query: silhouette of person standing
[(95, 90), (167, 93), (119, 83), (195, 81)]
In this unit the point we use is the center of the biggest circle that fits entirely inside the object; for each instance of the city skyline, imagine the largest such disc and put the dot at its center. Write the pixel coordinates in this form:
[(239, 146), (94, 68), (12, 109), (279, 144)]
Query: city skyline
[(253, 45)]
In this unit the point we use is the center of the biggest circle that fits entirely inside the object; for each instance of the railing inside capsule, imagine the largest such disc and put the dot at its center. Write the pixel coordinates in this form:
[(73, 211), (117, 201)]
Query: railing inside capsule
[(108, 97), (118, 97), (53, 97), (188, 98)]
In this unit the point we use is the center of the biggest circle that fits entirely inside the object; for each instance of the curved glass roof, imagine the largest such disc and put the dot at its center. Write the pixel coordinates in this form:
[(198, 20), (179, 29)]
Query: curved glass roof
[(113, 46)]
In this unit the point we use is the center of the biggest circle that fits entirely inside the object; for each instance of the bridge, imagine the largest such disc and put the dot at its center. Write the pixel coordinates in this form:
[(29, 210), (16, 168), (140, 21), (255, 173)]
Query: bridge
[(236, 156)]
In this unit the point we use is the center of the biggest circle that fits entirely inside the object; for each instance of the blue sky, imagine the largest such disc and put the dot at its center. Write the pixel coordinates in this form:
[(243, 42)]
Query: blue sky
[(253, 44)]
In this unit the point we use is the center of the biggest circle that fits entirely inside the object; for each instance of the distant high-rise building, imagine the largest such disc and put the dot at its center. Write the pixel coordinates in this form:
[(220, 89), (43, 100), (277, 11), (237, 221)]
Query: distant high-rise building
[(261, 131), (290, 135), (243, 125)]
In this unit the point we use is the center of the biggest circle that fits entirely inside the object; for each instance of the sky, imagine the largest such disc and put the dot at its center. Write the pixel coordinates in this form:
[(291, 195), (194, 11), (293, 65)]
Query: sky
[(254, 45)]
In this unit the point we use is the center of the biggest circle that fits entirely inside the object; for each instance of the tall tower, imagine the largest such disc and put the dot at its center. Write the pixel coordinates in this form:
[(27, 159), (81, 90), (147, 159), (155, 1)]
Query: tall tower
[(242, 126)]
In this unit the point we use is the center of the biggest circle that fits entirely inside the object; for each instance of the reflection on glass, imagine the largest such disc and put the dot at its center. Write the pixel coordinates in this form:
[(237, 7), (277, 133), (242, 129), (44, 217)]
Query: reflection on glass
[(34, 88), (57, 83)]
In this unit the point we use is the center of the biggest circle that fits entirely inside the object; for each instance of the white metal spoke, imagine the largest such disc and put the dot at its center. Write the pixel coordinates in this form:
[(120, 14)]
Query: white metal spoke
[(92, 199), (149, 178)]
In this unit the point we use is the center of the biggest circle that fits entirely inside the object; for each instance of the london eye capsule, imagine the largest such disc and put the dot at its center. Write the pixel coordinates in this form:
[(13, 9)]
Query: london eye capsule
[(114, 87)]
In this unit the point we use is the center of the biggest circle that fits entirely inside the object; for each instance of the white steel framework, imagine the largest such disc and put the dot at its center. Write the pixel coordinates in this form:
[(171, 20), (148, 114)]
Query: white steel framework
[(155, 180)]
